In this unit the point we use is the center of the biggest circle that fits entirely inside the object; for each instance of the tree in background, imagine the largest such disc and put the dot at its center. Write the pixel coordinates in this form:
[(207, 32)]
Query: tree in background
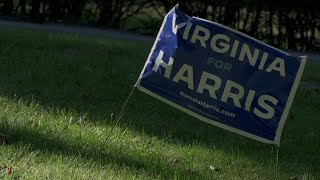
[(114, 11), (293, 25)]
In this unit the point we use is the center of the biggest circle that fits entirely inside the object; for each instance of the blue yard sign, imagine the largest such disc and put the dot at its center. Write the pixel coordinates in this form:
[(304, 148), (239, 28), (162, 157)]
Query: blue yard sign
[(222, 76)]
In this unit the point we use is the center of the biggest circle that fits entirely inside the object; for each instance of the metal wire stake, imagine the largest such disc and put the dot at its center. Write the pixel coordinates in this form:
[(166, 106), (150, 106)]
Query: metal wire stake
[(120, 114)]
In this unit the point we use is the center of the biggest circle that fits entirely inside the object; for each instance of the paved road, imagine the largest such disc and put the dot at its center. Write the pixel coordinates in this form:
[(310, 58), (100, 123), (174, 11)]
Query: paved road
[(90, 31)]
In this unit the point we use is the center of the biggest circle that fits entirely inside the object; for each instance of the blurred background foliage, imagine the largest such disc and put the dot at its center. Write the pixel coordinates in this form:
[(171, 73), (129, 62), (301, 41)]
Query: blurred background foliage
[(285, 24)]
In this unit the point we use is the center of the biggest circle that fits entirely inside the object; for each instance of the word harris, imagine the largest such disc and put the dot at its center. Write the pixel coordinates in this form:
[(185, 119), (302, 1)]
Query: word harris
[(220, 43)]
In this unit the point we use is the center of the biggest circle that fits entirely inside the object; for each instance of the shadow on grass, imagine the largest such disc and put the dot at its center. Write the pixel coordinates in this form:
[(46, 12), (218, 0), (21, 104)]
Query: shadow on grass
[(94, 78), (110, 154)]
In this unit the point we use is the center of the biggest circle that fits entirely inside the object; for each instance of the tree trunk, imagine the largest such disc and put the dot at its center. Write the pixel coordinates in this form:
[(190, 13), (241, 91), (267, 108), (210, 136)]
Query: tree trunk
[(302, 34), (106, 12), (77, 9), (280, 14), (228, 15), (270, 22), (220, 13), (23, 5), (7, 7), (35, 10), (246, 21), (290, 33), (255, 23), (55, 10)]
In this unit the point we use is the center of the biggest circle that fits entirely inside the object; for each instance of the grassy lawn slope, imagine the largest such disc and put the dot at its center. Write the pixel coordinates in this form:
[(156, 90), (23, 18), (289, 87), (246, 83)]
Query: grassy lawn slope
[(60, 94)]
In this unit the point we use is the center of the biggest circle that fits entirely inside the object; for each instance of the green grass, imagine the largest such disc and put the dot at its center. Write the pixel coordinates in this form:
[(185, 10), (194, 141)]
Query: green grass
[(57, 96), (312, 73)]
